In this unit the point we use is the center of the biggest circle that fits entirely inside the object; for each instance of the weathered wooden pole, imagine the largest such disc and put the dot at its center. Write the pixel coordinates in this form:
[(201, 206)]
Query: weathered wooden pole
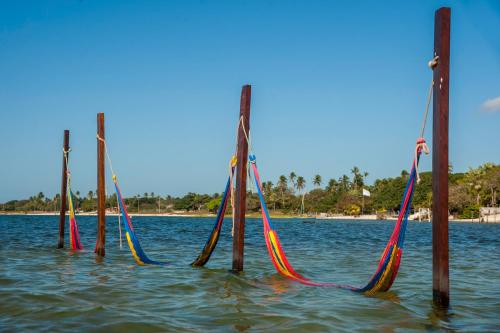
[(101, 194), (440, 256), (64, 181), (241, 179)]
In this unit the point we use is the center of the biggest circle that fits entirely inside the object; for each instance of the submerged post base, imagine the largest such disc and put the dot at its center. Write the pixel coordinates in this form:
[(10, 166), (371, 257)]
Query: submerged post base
[(441, 299)]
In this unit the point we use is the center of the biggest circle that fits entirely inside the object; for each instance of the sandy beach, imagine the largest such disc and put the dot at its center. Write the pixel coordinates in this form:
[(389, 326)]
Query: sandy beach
[(365, 217)]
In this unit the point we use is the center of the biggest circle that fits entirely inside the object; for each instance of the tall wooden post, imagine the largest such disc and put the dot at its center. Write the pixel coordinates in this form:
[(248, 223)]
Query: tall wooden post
[(440, 265), (64, 181), (241, 179), (101, 194)]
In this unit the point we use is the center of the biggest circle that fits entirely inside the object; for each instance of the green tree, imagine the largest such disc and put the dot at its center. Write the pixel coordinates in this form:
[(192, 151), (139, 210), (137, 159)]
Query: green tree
[(317, 180), (282, 186), (345, 183), (332, 186), (213, 205), (301, 185), (292, 177)]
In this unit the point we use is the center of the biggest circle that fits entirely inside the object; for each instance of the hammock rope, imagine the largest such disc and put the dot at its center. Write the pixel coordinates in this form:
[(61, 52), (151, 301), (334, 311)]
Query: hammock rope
[(133, 242), (74, 235), (232, 163)]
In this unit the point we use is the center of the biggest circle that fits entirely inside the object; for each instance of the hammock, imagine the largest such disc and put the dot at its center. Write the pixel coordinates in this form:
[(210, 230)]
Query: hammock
[(209, 247), (74, 236), (133, 242), (389, 262)]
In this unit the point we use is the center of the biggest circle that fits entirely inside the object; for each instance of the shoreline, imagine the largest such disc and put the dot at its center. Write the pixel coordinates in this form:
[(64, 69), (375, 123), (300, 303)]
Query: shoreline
[(492, 219)]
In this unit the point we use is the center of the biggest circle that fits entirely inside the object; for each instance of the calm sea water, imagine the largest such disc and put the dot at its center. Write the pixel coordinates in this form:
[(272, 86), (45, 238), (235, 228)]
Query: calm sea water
[(45, 289)]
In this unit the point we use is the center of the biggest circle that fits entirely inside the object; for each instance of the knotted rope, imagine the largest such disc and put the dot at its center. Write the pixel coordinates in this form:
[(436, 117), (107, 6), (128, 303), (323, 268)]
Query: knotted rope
[(421, 144), (107, 155), (232, 164), (65, 153), (114, 180), (420, 147)]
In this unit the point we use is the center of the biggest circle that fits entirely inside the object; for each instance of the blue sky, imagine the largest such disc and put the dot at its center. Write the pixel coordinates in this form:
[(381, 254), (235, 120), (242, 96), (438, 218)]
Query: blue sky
[(335, 84)]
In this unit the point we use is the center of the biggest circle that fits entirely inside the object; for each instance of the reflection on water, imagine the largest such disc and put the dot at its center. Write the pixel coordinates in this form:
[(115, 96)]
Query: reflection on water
[(45, 289)]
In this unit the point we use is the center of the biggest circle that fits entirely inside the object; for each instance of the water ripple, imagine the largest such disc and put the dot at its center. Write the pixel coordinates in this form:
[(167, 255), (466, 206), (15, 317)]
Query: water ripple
[(48, 290)]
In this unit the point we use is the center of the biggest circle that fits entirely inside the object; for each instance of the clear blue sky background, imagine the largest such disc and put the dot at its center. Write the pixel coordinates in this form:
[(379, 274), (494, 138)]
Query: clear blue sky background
[(335, 84)]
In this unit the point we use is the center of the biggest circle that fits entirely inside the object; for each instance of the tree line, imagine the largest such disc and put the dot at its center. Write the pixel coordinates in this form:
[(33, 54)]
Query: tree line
[(468, 191)]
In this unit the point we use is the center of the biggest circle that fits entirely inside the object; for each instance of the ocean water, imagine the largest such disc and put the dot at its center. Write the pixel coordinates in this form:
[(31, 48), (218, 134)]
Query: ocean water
[(44, 289)]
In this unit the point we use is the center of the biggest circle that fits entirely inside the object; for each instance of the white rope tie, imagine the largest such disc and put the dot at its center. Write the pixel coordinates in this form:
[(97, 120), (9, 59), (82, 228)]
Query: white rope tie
[(114, 180), (65, 153), (429, 97), (107, 155), (247, 136), (68, 173), (233, 162)]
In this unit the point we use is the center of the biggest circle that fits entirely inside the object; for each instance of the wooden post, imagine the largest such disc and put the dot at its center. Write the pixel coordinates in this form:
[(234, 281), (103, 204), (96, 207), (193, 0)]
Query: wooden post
[(101, 194), (440, 265), (241, 179), (64, 181)]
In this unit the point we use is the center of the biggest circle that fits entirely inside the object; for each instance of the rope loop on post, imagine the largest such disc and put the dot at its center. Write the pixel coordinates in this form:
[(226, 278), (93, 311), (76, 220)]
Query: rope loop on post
[(247, 135), (107, 155), (65, 153), (434, 62)]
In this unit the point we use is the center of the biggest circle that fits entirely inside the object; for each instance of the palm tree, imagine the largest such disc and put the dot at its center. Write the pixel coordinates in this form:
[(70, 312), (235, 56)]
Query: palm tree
[(272, 199), (267, 187), (90, 195), (404, 174), (292, 177), (332, 186), (301, 184), (344, 183), (317, 180), (282, 185), (357, 178)]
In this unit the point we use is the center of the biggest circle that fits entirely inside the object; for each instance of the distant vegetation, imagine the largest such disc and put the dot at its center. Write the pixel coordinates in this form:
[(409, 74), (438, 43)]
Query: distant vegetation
[(468, 191)]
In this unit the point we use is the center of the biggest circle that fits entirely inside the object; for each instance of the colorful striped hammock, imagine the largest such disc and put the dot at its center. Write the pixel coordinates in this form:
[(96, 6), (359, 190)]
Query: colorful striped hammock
[(133, 242), (209, 247), (74, 236), (389, 262)]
